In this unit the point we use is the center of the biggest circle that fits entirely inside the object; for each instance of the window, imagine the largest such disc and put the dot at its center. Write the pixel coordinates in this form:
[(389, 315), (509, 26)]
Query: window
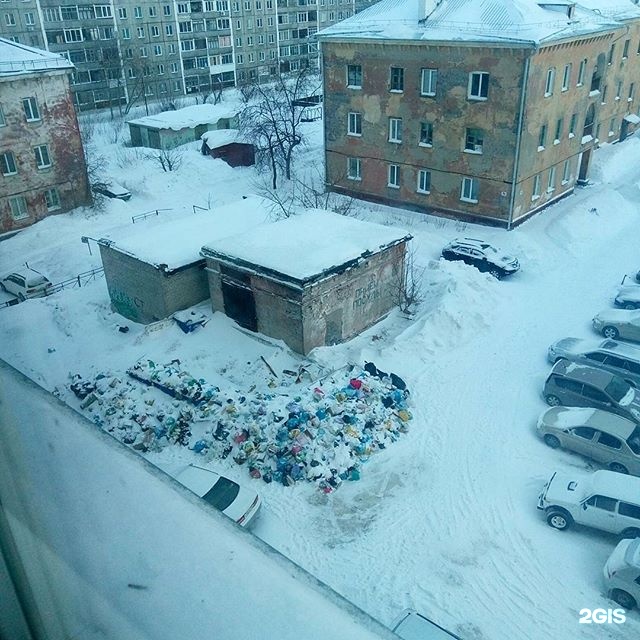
[(558, 133), (160, 69), (469, 191), (143, 52), (395, 129), (581, 71), (168, 29), (426, 134), (29, 18), (625, 50), (618, 90), (551, 78), (586, 433), (424, 181), (603, 99), (52, 198), (122, 13), (629, 510), (126, 34), (551, 182), (355, 124), (572, 125), (396, 79), (73, 35), (166, 10), (566, 77), (611, 51), (174, 67), (31, 112), (152, 12), (473, 140), (535, 194), (566, 172), (155, 30), (603, 502), (18, 206), (632, 87), (140, 32), (157, 50), (478, 85), (609, 441), (393, 179), (172, 48), (612, 126), (137, 12), (43, 161), (3, 122), (354, 169), (8, 164), (542, 137), (9, 19), (428, 80), (102, 11)]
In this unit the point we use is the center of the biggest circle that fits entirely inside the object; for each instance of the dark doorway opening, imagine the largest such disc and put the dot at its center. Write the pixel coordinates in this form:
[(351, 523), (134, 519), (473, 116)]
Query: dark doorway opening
[(240, 305), (583, 173)]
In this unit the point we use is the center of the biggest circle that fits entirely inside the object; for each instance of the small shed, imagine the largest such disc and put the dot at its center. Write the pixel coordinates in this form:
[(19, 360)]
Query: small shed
[(228, 145), (154, 268), (314, 279), (170, 129)]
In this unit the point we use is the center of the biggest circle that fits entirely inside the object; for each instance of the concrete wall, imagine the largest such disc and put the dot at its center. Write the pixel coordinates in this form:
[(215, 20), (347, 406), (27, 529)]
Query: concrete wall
[(111, 548), (58, 129), (143, 293)]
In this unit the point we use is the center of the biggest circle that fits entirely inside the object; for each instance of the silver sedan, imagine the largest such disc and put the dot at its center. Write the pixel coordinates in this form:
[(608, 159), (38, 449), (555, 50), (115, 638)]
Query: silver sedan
[(618, 323)]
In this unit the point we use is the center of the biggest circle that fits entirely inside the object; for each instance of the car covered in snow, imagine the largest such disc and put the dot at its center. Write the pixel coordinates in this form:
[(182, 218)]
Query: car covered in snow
[(628, 297), (600, 435), (617, 357), (112, 189), (618, 323), (27, 283), (602, 500), (411, 625), (622, 574), (482, 255), (238, 503)]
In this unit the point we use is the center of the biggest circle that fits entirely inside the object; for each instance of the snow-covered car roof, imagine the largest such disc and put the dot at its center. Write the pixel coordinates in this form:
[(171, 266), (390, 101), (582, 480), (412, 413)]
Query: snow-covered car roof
[(568, 417), (629, 292)]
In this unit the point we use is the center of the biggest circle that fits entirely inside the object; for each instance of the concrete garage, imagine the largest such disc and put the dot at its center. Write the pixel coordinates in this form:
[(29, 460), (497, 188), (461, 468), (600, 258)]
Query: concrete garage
[(315, 279), (154, 269)]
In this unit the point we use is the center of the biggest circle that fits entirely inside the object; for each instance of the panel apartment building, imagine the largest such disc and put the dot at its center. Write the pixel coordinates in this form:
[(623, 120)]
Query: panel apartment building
[(124, 50)]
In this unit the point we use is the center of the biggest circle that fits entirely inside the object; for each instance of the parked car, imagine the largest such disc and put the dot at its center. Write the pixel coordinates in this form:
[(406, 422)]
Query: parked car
[(617, 357), (578, 385), (628, 297), (481, 255), (618, 323), (596, 434), (602, 500), (622, 574), (112, 189), (411, 625), (239, 503), (27, 283)]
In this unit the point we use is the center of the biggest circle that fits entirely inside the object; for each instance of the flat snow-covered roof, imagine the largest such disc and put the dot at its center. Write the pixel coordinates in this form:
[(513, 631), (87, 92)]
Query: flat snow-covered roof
[(186, 118), (18, 59), (306, 246), (220, 137), (176, 243)]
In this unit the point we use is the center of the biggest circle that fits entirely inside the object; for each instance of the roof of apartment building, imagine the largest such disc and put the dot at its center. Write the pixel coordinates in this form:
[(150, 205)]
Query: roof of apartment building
[(187, 117), (306, 247), (18, 59), (509, 22)]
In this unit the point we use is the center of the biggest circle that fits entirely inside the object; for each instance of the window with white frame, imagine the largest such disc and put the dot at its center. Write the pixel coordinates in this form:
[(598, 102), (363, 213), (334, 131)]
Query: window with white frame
[(168, 29), (566, 172), (52, 199), (551, 78), (3, 122), (9, 19), (43, 161), (535, 194), (428, 81), (551, 182), (625, 49), (426, 134), (143, 52), (572, 125), (102, 11), (29, 18), (73, 35), (8, 164), (155, 31), (354, 76), (160, 69), (30, 107), (174, 67), (603, 97), (354, 124), (153, 12), (166, 9), (137, 12), (395, 130), (612, 126), (566, 77), (558, 132), (542, 137), (157, 49), (393, 176), (581, 71), (469, 190), (172, 48), (18, 206), (396, 79), (632, 88), (474, 140), (140, 32), (122, 13), (126, 34), (354, 169), (424, 181), (478, 85), (618, 90)]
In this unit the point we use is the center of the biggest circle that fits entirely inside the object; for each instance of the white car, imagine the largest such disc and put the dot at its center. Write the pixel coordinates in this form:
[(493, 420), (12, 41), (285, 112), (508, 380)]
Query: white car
[(618, 323), (628, 297), (411, 625), (622, 574), (28, 283), (236, 502), (603, 500)]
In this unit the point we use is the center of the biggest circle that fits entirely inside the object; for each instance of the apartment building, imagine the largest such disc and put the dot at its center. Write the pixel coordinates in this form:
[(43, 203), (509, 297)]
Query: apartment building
[(128, 50), (488, 115), (42, 164)]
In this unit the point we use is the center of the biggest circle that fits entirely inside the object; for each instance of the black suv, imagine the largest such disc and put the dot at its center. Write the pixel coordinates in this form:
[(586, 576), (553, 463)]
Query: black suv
[(481, 255)]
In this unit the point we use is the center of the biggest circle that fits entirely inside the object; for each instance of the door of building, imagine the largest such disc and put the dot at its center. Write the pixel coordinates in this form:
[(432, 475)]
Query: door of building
[(240, 304), (583, 173)]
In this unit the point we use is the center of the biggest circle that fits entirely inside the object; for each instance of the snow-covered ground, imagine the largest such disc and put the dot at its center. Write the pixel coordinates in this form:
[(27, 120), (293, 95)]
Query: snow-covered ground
[(444, 520)]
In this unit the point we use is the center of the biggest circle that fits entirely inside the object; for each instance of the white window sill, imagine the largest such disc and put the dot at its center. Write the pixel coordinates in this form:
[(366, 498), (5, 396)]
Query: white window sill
[(472, 152), (556, 141), (395, 141), (540, 148), (572, 135), (424, 193), (396, 90), (586, 139), (353, 86), (534, 198), (428, 95), (427, 145), (44, 167), (8, 175), (564, 89), (478, 98), (617, 98), (629, 99), (54, 208), (580, 84), (594, 93), (469, 200), (611, 133), (547, 95), (551, 190), (393, 186), (355, 135), (33, 120), (353, 178)]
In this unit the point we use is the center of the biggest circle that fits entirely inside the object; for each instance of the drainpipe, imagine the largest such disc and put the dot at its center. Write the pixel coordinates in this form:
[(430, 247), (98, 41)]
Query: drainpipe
[(523, 95)]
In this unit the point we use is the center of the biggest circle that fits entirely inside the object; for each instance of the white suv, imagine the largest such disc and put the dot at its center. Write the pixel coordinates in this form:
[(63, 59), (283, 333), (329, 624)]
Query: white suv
[(26, 284), (603, 500), (622, 574)]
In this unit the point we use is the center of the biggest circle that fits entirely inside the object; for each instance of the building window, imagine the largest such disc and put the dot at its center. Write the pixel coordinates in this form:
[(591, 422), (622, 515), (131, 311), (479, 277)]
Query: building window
[(424, 181), (625, 50), (396, 79), (31, 111), (140, 32), (155, 31), (9, 20), (43, 161), (473, 140), (122, 13), (3, 122), (426, 134), (168, 29), (157, 49), (478, 85), (8, 164), (551, 78), (395, 129), (612, 127), (469, 191), (354, 76), (354, 127), (126, 34), (632, 87), (558, 134), (166, 9), (572, 125), (611, 51), (29, 19), (603, 99), (137, 12), (551, 182), (52, 198), (394, 176), (428, 80), (143, 52), (18, 206), (566, 77), (535, 194), (542, 137), (581, 71), (566, 172), (73, 35), (354, 169), (152, 12)]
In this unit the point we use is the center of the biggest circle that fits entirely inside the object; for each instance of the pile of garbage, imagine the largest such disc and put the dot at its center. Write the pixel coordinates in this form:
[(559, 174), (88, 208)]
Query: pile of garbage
[(323, 434)]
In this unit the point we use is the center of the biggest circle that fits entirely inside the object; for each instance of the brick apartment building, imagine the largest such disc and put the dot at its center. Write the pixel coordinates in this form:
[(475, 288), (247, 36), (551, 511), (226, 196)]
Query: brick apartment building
[(478, 109), (125, 50), (42, 164)]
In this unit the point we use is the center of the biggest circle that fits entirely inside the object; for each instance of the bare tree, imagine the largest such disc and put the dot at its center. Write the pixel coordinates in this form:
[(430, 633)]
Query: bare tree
[(96, 163), (409, 293), (168, 159)]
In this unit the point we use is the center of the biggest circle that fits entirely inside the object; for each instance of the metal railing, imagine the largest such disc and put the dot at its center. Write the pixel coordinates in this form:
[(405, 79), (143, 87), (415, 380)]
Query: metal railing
[(147, 214), (81, 280)]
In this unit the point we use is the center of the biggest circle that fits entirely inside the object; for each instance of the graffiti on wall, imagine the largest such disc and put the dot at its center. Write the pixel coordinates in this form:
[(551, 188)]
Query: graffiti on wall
[(125, 305), (366, 294)]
